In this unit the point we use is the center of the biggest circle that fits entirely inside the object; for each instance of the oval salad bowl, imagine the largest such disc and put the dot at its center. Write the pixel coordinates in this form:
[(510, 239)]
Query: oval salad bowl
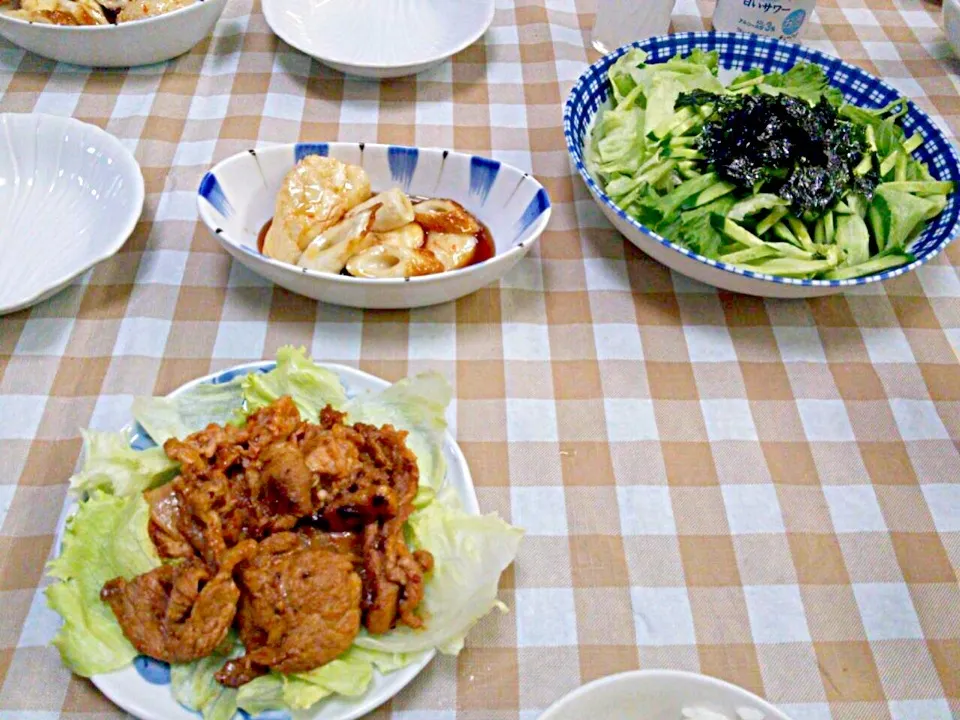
[(738, 54), (236, 201)]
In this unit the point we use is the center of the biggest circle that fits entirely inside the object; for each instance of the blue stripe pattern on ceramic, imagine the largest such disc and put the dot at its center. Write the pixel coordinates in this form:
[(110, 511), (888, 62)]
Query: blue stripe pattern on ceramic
[(741, 52), (153, 671), (538, 205), (403, 163), (265, 715), (212, 191), (302, 150), (483, 173)]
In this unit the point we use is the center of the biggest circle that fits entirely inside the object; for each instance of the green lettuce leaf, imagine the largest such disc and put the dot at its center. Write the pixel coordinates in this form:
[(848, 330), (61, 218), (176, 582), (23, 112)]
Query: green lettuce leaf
[(176, 417), (310, 386), (110, 464), (349, 675), (417, 405), (469, 554), (194, 686), (805, 81), (106, 538)]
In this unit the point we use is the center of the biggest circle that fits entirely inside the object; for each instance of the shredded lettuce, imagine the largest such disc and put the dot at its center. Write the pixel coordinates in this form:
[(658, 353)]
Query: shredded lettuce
[(106, 538)]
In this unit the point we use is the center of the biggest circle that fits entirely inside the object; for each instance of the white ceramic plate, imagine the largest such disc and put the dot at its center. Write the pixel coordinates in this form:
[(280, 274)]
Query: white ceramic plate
[(657, 695), (379, 38), (140, 42), (237, 197), (70, 195), (143, 689)]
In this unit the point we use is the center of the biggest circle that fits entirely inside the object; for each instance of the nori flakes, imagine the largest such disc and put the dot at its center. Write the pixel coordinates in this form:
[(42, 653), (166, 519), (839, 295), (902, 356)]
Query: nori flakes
[(804, 153)]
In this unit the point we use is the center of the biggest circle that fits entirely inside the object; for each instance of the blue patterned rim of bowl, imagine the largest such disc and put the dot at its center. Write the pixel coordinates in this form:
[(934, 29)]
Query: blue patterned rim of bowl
[(741, 52)]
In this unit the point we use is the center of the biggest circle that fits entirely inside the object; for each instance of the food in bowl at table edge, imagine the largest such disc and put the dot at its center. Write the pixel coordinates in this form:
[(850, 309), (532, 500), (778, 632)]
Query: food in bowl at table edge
[(280, 554), (90, 12), (327, 219), (773, 172)]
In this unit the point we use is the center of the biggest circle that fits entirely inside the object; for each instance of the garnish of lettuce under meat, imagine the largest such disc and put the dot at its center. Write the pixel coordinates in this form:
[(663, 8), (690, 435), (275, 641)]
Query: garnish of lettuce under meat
[(774, 172), (388, 564)]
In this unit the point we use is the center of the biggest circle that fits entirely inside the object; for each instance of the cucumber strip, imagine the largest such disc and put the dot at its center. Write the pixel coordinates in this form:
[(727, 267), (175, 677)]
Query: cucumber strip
[(743, 84), (790, 250), (829, 228), (912, 143), (922, 187), (682, 141), (739, 233), (687, 170), (864, 166), (841, 208), (888, 162), (783, 232), (818, 232), (877, 264), (667, 126), (713, 193), (871, 138), (801, 232), (900, 168), (750, 254), (792, 267), (687, 153), (775, 216), (707, 110), (685, 127)]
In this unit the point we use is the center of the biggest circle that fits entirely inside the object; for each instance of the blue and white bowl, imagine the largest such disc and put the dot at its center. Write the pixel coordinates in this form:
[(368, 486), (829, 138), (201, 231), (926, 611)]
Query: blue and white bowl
[(236, 198), (740, 52)]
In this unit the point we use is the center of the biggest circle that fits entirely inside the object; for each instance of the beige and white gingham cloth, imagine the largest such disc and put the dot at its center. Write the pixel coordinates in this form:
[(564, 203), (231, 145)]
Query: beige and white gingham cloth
[(765, 491)]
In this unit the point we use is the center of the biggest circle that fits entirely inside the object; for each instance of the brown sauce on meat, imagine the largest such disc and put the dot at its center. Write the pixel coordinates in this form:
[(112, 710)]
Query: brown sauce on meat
[(485, 250)]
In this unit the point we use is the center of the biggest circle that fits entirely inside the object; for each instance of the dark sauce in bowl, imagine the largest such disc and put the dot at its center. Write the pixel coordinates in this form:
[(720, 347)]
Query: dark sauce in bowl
[(484, 251)]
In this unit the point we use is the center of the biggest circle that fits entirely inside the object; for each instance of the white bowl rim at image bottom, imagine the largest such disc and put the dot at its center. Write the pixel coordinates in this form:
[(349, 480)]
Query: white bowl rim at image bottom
[(739, 697), (147, 701)]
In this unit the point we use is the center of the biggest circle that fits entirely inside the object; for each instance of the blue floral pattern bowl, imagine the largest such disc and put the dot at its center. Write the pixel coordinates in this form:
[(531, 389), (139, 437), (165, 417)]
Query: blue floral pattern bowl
[(737, 53)]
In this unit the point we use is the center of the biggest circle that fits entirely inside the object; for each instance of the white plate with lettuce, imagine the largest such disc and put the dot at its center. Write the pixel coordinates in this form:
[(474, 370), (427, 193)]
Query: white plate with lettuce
[(105, 535)]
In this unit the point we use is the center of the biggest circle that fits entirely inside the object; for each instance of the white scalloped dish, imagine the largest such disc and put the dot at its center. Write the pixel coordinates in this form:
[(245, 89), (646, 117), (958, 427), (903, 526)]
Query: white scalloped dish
[(70, 196)]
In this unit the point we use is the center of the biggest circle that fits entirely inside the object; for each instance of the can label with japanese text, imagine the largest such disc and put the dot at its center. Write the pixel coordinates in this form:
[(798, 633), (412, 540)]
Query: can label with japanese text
[(783, 19)]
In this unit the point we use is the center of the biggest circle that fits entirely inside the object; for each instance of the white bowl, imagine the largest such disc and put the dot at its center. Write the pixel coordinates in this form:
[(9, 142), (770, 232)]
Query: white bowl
[(140, 42), (70, 195), (236, 199), (379, 38), (657, 695)]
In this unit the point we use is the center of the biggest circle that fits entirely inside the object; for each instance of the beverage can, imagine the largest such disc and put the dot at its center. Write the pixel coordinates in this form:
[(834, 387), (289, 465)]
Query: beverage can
[(782, 19)]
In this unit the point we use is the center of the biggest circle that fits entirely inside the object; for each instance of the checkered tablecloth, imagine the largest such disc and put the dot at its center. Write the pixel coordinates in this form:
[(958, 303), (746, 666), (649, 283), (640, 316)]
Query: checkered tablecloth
[(765, 491)]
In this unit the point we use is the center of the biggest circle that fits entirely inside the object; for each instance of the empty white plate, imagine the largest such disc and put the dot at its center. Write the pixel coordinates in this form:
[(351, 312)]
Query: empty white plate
[(70, 195), (379, 38)]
